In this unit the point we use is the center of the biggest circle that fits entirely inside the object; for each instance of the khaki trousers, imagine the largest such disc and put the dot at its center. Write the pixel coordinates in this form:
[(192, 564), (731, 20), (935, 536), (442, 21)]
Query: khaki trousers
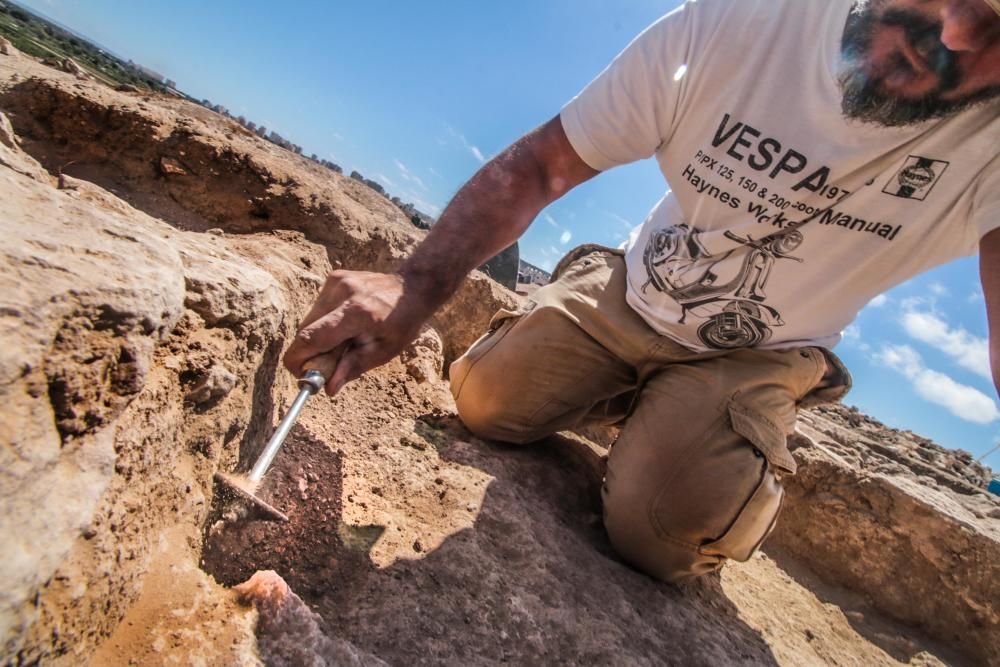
[(695, 475)]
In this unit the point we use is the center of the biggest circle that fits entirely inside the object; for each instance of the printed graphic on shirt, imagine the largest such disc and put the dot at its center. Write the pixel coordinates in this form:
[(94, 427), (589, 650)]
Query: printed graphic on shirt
[(916, 178), (728, 295)]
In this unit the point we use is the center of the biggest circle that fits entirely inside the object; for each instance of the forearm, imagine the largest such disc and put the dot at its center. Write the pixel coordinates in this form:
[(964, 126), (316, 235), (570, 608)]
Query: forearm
[(492, 210), (989, 275)]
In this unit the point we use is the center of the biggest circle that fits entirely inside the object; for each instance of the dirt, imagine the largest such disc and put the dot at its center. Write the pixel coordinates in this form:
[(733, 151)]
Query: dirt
[(146, 303)]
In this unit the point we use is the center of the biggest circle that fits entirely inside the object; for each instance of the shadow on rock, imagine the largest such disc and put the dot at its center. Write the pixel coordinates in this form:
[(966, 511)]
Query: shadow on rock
[(309, 551), (532, 581)]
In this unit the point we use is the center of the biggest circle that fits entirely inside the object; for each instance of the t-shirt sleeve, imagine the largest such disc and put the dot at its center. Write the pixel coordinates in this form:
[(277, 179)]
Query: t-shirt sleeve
[(628, 111)]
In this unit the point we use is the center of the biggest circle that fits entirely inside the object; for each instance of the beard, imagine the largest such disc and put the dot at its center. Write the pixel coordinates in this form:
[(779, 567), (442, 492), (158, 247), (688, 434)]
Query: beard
[(863, 93)]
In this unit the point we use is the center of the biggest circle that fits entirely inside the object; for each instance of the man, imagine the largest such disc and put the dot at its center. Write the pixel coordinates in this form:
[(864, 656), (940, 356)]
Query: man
[(818, 153)]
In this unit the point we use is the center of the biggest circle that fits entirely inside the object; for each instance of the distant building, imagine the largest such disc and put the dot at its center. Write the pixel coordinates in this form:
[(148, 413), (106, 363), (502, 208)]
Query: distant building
[(531, 274)]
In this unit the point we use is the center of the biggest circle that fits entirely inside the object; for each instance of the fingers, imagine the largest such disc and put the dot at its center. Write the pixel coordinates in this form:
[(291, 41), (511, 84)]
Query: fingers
[(334, 292), (319, 337), (354, 363)]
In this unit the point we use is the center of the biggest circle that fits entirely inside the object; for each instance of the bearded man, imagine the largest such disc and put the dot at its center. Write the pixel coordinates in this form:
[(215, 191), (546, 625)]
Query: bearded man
[(817, 152)]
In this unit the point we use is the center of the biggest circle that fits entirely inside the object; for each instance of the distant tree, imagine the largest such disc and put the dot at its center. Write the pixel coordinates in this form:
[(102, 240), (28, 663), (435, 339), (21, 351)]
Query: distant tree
[(252, 126), (356, 175), (262, 131), (19, 14)]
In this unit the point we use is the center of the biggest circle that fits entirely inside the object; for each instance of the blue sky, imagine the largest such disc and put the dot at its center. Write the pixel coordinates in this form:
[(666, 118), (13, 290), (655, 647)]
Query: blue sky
[(418, 94)]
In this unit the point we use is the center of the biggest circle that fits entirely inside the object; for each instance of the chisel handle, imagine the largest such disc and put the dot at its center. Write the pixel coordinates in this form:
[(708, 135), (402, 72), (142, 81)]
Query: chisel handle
[(324, 364)]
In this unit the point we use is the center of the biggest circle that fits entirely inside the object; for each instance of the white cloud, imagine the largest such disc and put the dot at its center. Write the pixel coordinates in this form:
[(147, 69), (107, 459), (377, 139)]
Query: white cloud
[(852, 333), (337, 136), (472, 148), (937, 289), (961, 400), (385, 179), (409, 175), (434, 172), (968, 351), (549, 219), (566, 236), (422, 205), (879, 301), (976, 296), (916, 303), (625, 223)]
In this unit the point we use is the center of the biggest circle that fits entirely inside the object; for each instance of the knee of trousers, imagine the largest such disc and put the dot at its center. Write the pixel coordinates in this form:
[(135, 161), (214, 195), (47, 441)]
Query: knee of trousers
[(661, 557), (484, 406), (717, 503)]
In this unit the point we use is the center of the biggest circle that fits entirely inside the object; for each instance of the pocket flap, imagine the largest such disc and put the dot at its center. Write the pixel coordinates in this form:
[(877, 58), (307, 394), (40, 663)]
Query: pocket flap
[(764, 433)]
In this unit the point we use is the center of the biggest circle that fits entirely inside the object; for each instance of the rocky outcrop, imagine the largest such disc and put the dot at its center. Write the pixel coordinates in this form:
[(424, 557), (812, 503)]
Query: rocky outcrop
[(181, 163), (146, 294), (107, 329), (922, 541)]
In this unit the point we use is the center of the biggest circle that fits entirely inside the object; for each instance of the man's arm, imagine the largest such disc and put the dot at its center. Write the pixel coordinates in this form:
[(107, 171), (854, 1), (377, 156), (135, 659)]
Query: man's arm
[(989, 274), (376, 315)]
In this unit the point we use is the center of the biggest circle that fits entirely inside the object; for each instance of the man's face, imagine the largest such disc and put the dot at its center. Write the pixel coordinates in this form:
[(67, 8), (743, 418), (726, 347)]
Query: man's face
[(907, 61)]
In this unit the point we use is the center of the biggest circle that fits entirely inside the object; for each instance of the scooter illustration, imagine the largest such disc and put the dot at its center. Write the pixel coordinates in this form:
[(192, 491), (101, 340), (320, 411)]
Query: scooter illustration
[(678, 265)]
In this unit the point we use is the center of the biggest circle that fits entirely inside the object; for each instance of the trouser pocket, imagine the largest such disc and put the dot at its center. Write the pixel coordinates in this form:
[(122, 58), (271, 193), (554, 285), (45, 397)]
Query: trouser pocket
[(501, 323), (724, 499), (757, 517)]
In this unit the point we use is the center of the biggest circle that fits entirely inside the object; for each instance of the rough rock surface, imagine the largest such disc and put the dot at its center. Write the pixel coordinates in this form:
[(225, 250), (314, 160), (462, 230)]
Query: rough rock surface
[(868, 511), (289, 633), (143, 311)]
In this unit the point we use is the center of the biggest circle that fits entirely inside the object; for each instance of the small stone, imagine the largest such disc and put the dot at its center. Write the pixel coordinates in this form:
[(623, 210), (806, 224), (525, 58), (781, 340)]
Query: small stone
[(213, 386), (417, 546), (171, 167), (415, 443), (216, 231), (6, 48)]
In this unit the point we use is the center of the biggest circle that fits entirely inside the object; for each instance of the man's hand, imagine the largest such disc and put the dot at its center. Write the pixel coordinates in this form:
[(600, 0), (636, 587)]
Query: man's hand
[(376, 315), (364, 311)]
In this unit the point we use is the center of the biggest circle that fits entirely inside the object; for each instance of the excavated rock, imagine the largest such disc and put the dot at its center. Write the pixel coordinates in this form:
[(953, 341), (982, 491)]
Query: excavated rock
[(288, 632), (241, 183), (865, 513), (143, 313)]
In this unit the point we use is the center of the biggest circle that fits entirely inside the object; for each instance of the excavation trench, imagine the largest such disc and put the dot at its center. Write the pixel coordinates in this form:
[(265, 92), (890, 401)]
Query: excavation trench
[(414, 541)]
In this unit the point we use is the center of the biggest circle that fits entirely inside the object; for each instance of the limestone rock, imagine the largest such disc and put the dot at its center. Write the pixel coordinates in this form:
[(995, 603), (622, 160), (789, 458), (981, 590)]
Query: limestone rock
[(80, 316), (424, 357), (6, 48), (171, 167), (289, 633), (413, 539), (212, 387)]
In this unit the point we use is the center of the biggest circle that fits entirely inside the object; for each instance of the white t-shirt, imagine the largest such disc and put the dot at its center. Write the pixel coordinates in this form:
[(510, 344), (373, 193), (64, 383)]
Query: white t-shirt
[(739, 102)]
